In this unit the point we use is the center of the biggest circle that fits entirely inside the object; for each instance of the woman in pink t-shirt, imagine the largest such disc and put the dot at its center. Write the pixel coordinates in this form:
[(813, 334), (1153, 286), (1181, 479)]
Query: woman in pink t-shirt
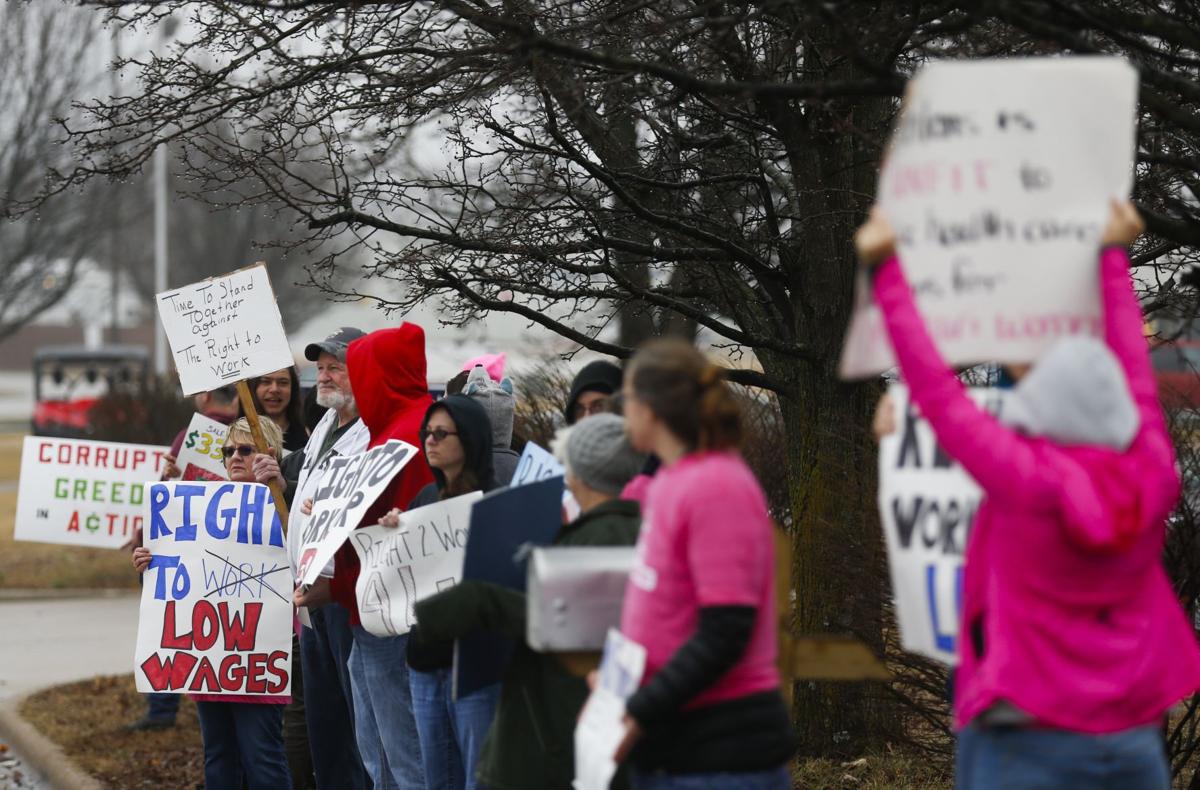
[(701, 595)]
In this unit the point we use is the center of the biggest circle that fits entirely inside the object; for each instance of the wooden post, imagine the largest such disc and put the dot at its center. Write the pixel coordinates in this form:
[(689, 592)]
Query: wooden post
[(261, 443)]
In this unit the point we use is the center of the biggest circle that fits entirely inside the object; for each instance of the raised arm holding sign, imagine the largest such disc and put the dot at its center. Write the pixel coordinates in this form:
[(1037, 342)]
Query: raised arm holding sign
[(223, 330), (997, 182)]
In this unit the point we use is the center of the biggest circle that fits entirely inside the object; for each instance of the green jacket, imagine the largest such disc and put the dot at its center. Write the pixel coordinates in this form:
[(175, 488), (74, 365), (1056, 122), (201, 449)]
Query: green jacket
[(530, 745)]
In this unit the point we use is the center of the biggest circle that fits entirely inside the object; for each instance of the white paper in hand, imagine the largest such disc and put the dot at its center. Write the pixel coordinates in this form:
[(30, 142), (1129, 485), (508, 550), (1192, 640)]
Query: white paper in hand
[(601, 726)]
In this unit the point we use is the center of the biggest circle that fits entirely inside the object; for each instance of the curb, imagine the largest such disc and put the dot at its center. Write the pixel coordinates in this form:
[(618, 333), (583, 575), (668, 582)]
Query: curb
[(44, 755)]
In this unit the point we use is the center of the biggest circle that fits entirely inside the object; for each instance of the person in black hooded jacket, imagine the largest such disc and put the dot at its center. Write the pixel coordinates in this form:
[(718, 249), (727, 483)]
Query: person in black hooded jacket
[(456, 438)]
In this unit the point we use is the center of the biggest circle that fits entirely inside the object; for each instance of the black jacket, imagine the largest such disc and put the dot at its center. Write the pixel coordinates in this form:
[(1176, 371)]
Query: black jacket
[(475, 433)]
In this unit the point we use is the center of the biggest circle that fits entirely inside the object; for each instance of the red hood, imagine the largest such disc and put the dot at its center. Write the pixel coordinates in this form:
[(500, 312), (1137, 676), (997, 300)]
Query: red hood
[(387, 375)]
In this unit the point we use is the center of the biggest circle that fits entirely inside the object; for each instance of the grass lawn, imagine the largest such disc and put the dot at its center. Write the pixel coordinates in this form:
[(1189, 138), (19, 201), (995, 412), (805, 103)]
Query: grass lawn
[(45, 565), (87, 720)]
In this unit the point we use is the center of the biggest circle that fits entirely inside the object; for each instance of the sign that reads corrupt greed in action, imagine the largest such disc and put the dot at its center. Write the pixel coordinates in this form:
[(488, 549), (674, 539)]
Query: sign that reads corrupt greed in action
[(224, 329), (927, 503), (216, 611), (348, 487), (402, 565), (997, 184), (84, 493)]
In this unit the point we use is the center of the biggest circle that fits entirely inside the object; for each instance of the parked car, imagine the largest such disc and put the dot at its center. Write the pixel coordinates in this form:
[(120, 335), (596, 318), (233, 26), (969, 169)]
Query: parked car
[(1177, 369), (68, 380)]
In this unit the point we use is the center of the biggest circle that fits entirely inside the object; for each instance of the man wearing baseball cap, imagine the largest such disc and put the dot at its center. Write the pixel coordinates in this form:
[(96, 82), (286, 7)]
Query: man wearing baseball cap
[(325, 644)]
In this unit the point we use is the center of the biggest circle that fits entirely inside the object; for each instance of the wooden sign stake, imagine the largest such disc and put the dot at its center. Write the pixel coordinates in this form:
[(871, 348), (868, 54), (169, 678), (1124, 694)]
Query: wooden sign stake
[(261, 443)]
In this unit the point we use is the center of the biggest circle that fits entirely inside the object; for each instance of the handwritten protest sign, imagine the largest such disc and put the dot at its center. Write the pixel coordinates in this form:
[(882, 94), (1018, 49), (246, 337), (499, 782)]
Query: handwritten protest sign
[(84, 493), (601, 726), (216, 611), (403, 565), (997, 184), (927, 503), (536, 463), (224, 329), (200, 456), (349, 485)]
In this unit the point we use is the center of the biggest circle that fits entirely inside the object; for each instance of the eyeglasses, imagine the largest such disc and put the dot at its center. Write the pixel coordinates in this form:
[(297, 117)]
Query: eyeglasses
[(598, 406), (437, 434), (244, 450)]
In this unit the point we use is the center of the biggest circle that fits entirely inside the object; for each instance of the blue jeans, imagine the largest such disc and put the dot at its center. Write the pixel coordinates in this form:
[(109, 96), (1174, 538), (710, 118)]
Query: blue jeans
[(161, 706), (995, 758), (383, 712), (775, 779), (243, 740), (328, 710), (452, 733)]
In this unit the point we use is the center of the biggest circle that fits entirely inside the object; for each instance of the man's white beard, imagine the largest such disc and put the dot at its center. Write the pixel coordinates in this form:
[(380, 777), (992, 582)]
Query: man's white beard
[(335, 399)]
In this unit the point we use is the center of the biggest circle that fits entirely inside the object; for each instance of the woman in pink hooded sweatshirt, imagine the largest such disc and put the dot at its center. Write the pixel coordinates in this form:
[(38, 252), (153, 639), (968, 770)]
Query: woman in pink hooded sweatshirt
[(1073, 645)]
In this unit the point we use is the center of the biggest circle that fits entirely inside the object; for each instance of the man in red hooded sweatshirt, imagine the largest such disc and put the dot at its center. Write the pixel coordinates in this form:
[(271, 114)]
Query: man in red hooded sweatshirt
[(387, 375)]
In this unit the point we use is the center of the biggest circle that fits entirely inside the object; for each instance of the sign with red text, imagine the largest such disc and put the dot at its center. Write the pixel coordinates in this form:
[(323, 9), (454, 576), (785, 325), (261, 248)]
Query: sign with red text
[(927, 503), (216, 611), (349, 486), (200, 455), (84, 493), (997, 183), (224, 329)]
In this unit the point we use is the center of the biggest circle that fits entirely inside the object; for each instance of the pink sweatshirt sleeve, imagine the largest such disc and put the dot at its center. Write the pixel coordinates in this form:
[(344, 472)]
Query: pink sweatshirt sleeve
[(1123, 322), (1003, 462)]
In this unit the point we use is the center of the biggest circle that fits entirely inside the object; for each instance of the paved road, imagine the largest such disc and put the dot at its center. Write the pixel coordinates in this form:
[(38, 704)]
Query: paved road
[(47, 642)]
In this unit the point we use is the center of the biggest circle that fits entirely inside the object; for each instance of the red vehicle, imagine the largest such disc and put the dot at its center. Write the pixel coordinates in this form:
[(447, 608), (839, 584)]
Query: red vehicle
[(1177, 368), (68, 380)]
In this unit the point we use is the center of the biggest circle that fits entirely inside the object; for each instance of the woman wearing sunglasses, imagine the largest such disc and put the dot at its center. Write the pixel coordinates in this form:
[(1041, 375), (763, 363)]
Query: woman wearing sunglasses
[(456, 438), (243, 735)]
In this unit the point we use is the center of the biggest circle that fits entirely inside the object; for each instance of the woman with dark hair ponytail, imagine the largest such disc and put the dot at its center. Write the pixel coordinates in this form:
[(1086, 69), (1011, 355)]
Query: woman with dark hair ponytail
[(701, 595)]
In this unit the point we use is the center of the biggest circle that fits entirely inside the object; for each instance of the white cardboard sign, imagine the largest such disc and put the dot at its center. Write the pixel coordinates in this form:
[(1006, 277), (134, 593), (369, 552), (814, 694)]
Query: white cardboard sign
[(601, 725), (84, 493), (403, 565), (200, 455), (927, 503), (216, 611), (224, 329), (537, 463), (349, 486), (997, 184)]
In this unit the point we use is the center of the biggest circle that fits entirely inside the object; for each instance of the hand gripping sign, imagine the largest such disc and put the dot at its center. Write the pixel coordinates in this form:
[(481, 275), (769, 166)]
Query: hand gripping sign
[(997, 183), (216, 611)]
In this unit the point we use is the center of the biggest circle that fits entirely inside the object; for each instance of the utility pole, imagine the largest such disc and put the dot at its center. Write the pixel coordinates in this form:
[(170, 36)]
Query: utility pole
[(114, 208)]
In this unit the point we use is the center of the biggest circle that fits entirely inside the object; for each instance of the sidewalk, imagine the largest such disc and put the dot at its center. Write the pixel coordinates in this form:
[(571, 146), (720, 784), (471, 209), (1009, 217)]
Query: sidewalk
[(47, 641)]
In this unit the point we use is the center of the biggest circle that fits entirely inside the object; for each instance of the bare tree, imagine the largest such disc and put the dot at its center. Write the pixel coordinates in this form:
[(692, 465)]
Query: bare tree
[(668, 166), (43, 50)]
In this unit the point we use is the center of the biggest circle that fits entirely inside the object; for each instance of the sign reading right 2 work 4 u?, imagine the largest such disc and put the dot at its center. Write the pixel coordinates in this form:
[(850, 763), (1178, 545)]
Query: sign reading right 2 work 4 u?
[(927, 503)]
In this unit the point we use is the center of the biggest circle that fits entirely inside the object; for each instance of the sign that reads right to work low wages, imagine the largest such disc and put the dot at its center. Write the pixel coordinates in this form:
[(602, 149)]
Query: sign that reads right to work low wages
[(224, 329), (997, 183)]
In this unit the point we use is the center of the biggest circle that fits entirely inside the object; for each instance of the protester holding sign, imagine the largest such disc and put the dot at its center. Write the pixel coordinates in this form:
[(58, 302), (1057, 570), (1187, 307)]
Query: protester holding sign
[(243, 735), (277, 395), (530, 744), (1074, 643), (701, 596), (388, 376), (326, 643), (456, 439)]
